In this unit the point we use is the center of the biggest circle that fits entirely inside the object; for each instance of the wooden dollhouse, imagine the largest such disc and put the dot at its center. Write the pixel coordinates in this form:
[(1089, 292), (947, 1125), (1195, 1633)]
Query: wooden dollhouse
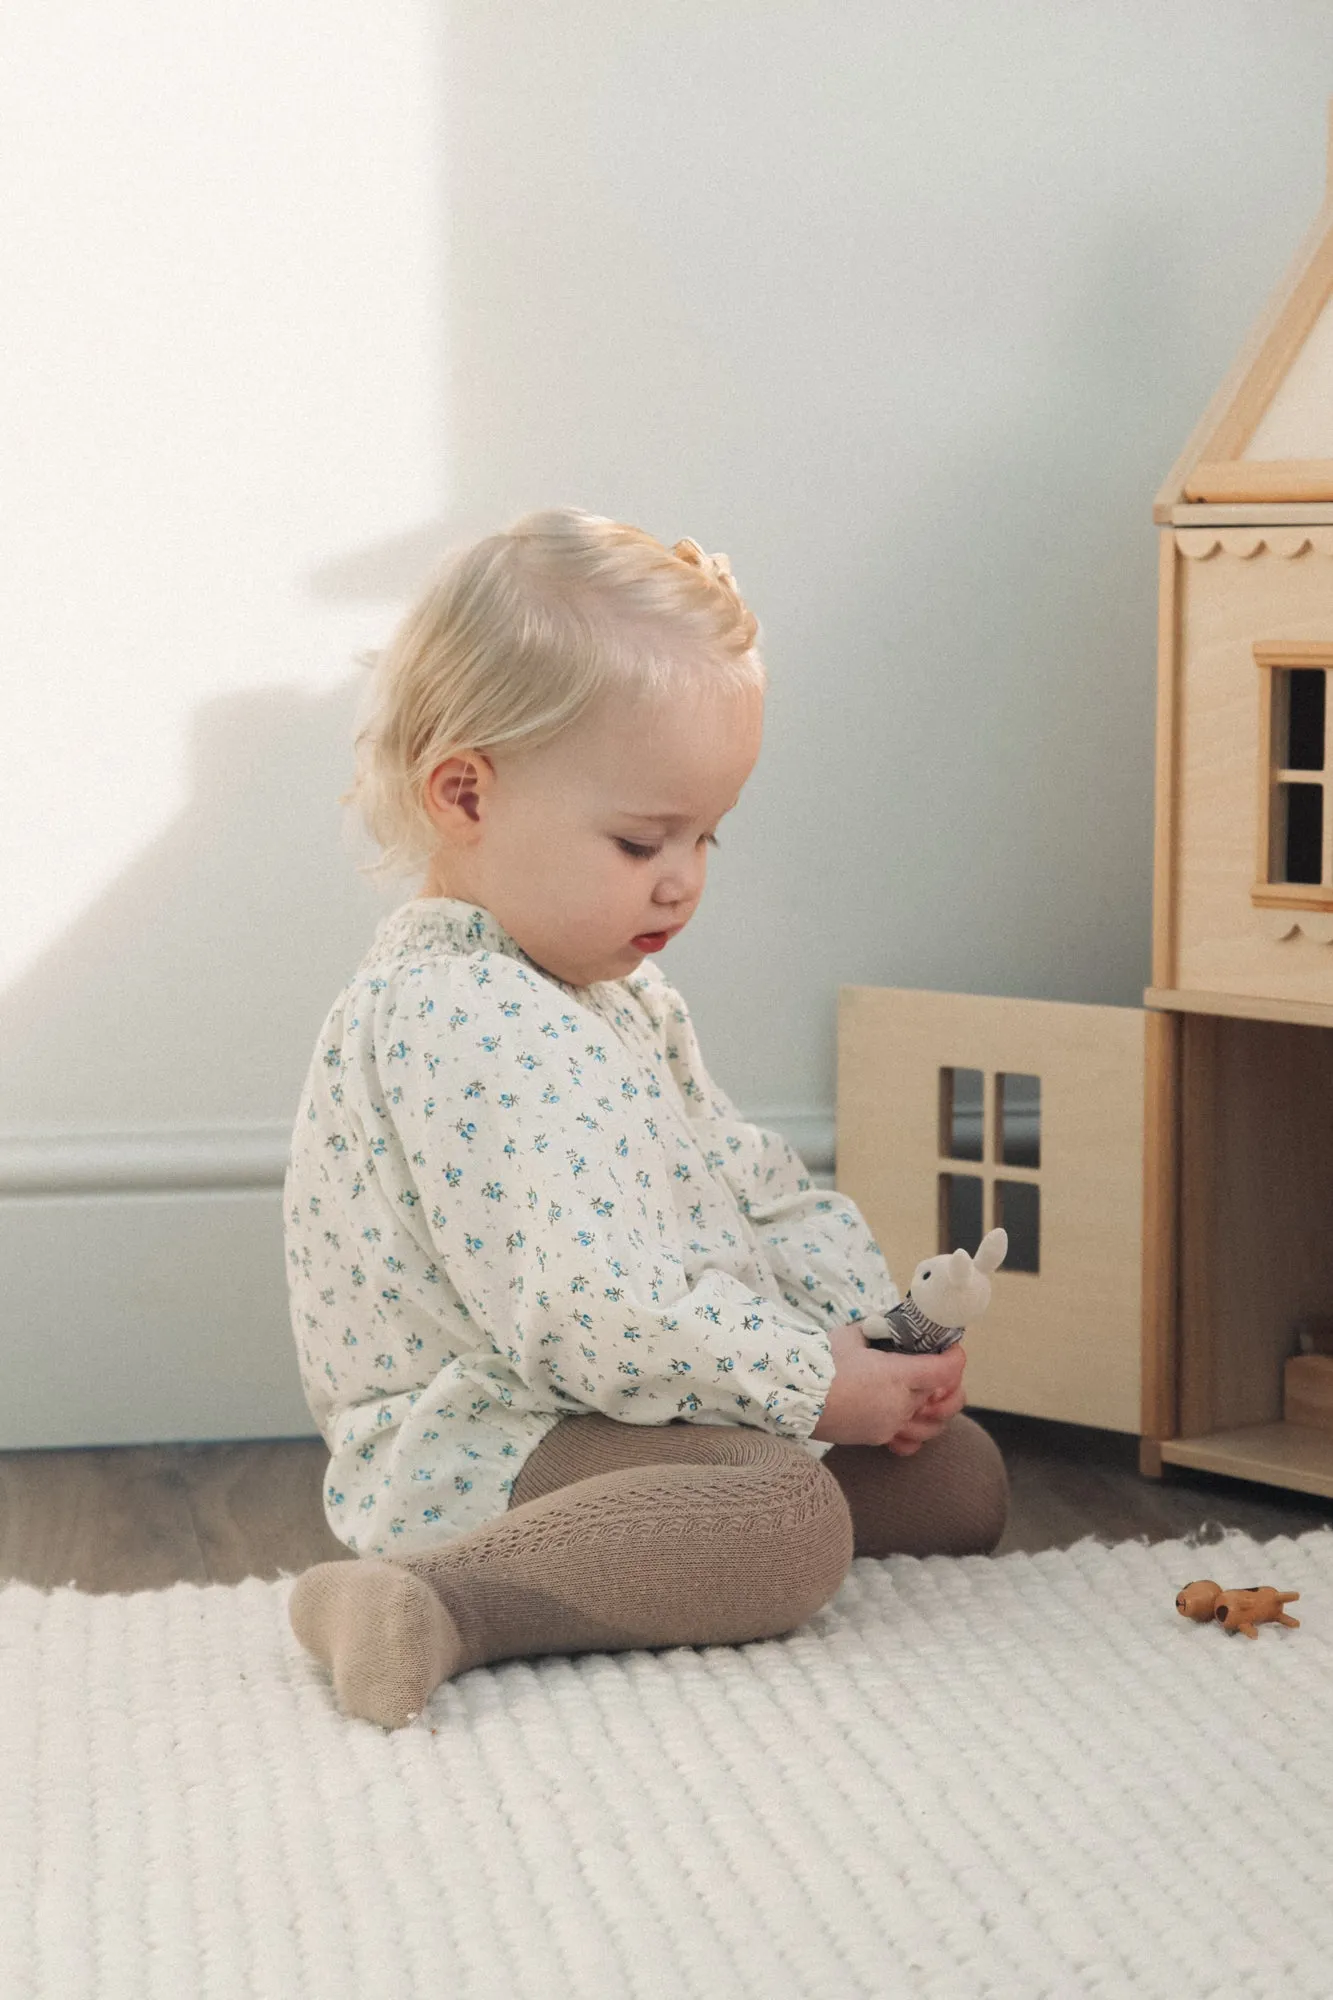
[(1166, 1173)]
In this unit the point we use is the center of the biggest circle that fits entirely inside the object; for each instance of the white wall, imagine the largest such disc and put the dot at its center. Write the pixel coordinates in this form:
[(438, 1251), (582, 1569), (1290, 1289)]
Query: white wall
[(907, 308)]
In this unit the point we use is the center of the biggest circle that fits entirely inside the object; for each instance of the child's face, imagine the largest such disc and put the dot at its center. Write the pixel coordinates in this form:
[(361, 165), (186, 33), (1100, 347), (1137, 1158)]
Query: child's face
[(565, 845)]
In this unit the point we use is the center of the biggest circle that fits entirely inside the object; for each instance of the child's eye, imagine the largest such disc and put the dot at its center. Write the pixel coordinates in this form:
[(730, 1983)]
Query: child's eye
[(645, 853)]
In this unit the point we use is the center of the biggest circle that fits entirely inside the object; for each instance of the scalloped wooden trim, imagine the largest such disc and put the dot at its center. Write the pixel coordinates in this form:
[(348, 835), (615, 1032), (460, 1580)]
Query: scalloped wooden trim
[(1317, 925), (1200, 543)]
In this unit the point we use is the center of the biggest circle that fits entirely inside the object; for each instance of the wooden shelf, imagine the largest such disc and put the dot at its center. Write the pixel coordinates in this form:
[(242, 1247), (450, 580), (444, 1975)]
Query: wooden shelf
[(1239, 1006), (1273, 1454)]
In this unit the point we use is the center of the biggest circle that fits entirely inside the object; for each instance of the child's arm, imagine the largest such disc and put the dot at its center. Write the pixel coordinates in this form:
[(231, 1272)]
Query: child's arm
[(548, 1207), (816, 1240)]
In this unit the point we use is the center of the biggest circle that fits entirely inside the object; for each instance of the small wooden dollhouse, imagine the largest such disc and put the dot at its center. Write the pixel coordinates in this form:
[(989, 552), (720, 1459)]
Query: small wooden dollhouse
[(1166, 1173)]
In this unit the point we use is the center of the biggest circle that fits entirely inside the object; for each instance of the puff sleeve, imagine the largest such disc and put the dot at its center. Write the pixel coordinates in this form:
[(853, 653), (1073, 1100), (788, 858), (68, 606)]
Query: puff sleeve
[(816, 1241), (544, 1190)]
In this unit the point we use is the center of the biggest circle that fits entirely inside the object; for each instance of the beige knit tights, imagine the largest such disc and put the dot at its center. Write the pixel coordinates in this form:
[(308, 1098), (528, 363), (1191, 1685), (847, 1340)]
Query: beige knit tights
[(639, 1535)]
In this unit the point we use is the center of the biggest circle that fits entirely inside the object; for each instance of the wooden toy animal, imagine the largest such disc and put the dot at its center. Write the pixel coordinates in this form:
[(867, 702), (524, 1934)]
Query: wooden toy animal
[(947, 1292), (1235, 1610)]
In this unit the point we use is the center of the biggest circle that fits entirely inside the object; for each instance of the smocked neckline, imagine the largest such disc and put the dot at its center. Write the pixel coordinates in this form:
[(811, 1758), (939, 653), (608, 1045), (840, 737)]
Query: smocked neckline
[(462, 927), (453, 925)]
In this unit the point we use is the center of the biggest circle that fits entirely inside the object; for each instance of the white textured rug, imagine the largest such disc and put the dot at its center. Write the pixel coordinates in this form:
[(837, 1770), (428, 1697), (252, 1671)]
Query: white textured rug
[(1024, 1775)]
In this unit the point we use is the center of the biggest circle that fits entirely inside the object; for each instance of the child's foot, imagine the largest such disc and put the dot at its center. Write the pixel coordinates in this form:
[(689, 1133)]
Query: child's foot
[(384, 1633)]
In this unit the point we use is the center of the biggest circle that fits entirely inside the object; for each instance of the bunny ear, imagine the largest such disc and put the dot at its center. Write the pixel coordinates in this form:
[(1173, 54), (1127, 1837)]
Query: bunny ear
[(960, 1263), (992, 1250)]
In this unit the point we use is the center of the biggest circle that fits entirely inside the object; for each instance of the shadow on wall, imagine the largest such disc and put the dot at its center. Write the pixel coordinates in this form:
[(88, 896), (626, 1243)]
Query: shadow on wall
[(994, 810), (139, 1010), (178, 997)]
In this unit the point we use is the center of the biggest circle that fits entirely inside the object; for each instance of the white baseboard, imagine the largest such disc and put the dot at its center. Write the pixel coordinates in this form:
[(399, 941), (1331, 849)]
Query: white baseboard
[(166, 1158), (250, 1156), (143, 1292)]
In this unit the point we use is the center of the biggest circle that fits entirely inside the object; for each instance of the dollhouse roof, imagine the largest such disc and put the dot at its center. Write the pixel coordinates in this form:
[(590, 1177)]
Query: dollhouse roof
[(1267, 435)]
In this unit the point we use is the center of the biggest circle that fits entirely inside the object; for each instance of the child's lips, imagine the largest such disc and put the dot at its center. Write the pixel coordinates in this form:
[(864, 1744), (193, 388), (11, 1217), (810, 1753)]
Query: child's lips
[(654, 940)]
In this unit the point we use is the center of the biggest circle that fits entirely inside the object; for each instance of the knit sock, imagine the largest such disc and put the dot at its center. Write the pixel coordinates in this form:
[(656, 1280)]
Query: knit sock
[(748, 1546), (382, 1631)]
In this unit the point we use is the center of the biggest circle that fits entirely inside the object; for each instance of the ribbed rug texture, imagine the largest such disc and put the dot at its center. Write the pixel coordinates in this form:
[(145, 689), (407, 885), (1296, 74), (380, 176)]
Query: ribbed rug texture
[(1023, 1775)]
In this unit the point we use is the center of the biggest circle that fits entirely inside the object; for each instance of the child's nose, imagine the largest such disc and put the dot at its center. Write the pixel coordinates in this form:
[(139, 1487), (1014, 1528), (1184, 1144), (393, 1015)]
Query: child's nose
[(676, 892), (683, 882)]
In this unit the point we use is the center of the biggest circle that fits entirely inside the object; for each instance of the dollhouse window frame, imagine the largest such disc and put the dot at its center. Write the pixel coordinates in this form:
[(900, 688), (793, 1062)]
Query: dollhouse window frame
[(1273, 657), (997, 1148)]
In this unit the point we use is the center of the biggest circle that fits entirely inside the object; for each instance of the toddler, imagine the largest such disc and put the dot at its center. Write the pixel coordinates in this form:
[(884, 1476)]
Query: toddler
[(581, 1341)]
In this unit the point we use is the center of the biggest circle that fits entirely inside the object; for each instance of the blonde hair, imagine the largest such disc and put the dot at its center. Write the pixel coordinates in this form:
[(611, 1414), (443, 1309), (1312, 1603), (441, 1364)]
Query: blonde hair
[(514, 636)]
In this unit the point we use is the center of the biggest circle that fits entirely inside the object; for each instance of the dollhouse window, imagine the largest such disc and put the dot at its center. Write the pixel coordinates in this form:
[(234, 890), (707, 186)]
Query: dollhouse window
[(1009, 1137), (1019, 1100), (961, 1199), (1295, 858), (964, 1104)]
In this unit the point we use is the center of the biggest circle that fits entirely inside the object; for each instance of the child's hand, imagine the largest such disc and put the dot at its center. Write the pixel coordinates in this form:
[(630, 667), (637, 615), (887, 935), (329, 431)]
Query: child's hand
[(931, 1418), (881, 1398)]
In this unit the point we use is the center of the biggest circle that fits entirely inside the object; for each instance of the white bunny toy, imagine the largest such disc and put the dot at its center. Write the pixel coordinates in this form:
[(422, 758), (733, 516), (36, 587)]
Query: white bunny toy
[(947, 1292)]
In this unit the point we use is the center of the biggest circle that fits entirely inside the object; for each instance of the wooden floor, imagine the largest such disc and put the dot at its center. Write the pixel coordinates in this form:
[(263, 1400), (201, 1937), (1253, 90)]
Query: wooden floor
[(141, 1517)]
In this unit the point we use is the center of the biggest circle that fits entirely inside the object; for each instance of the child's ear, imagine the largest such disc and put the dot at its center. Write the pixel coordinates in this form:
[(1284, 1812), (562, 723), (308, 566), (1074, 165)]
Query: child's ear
[(456, 787)]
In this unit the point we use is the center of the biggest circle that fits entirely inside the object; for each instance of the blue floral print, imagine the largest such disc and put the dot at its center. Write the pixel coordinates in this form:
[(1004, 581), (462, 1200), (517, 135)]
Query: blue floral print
[(510, 1200)]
